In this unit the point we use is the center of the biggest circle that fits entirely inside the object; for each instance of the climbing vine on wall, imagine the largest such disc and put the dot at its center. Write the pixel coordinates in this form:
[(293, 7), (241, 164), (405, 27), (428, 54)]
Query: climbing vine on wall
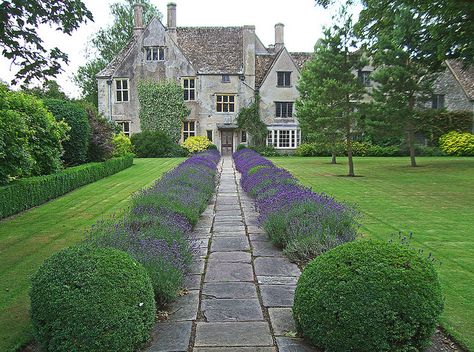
[(162, 107), (249, 120)]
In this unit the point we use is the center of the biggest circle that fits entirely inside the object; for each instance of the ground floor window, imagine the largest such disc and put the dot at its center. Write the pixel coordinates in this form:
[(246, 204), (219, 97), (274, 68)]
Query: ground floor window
[(243, 137), (125, 126), (209, 135), (284, 139), (189, 129)]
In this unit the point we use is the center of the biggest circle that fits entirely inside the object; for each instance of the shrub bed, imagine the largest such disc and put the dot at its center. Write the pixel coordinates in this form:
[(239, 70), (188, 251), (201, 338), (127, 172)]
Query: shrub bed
[(369, 296), (300, 221), (91, 299), (29, 192), (156, 230)]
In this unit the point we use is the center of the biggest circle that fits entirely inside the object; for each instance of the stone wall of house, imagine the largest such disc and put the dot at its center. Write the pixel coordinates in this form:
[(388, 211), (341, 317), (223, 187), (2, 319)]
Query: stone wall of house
[(455, 98)]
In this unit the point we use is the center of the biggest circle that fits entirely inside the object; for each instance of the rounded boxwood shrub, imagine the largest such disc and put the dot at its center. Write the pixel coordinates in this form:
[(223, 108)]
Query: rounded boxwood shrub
[(91, 299), (368, 296), (155, 144)]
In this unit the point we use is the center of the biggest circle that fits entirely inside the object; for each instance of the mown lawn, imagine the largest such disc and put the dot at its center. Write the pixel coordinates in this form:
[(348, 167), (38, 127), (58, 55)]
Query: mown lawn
[(27, 239), (434, 201)]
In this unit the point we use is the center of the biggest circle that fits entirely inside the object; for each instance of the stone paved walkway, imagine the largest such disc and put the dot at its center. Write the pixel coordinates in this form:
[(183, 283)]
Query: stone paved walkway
[(241, 288)]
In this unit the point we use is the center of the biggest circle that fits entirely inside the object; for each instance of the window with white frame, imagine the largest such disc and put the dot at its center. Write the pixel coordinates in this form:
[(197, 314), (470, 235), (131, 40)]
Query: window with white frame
[(125, 126), (189, 129), (283, 109), (284, 138), (121, 90), (155, 53), (283, 79), (189, 88), (225, 103)]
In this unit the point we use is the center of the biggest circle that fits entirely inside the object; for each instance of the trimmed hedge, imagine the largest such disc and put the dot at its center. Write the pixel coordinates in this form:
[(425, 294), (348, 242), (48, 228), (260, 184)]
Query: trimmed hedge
[(29, 192), (369, 296), (92, 299)]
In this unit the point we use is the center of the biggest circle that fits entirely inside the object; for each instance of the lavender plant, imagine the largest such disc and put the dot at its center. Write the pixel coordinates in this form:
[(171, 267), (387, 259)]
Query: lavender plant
[(156, 230), (302, 222)]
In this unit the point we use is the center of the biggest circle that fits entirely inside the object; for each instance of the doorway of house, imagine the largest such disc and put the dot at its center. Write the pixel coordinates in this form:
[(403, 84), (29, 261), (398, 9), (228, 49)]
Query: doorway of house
[(227, 142)]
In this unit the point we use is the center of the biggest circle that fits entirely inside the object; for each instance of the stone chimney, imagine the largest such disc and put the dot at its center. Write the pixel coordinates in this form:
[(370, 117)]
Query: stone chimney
[(171, 21), (248, 41), (137, 18), (279, 40)]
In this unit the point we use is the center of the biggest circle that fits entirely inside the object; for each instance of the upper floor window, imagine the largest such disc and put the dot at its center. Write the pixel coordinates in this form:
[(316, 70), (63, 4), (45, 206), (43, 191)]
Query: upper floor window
[(225, 103), (189, 129), (364, 77), (284, 109), (283, 79), (121, 90), (189, 87), (225, 79), (437, 101), (155, 53), (125, 126)]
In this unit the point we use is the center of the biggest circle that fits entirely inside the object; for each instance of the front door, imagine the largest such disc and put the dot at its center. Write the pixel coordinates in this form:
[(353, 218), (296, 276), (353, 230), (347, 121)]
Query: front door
[(227, 142)]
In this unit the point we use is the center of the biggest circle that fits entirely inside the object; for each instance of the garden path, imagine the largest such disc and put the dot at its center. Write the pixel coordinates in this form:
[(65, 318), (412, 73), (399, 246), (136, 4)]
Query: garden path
[(240, 292)]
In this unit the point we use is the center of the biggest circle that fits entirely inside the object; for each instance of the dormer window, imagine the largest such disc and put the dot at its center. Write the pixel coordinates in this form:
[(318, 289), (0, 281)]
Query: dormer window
[(284, 79), (155, 53), (225, 79)]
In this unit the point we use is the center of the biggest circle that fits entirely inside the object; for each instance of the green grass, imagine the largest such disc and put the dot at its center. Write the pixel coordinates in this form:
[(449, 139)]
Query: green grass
[(435, 201), (27, 239)]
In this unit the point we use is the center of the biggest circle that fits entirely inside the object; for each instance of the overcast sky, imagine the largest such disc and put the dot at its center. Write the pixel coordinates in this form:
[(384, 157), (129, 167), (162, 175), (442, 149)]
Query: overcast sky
[(303, 26)]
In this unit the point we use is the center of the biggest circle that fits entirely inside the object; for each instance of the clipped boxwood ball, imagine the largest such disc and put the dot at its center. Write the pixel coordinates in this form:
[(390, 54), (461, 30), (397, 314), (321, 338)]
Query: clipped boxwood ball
[(368, 296), (92, 299)]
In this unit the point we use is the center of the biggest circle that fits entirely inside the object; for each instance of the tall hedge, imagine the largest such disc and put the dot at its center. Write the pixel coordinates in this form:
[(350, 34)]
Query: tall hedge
[(31, 137), (162, 108), (102, 134), (29, 192), (76, 146)]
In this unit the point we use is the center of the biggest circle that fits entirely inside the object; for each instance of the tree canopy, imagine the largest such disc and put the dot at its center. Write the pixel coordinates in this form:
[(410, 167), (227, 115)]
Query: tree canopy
[(19, 39), (330, 91)]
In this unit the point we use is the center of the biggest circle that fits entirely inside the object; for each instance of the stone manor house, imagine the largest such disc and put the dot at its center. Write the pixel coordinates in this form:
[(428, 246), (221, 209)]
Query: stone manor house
[(221, 69)]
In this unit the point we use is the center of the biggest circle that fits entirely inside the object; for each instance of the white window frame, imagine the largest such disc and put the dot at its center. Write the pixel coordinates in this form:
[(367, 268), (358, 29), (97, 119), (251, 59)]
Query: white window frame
[(154, 53), (190, 91), (120, 91), (277, 138), (122, 124), (187, 131), (225, 101)]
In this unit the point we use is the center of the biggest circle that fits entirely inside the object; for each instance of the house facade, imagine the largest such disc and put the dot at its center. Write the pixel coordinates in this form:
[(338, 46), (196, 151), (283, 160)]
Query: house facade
[(221, 69)]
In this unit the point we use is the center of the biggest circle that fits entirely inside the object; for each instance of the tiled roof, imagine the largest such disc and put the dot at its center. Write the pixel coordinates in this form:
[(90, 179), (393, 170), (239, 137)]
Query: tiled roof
[(300, 58), (212, 49), (465, 76), (262, 65), (115, 63)]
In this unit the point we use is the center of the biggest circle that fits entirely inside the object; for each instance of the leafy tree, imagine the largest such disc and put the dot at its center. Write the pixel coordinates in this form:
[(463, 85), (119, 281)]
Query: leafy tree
[(330, 92), (403, 72), (162, 107), (19, 37), (102, 134), (249, 120), (50, 90), (447, 25), (108, 42)]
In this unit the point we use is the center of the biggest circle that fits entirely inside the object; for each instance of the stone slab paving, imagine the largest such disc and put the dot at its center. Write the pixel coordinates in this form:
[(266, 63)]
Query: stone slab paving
[(240, 289)]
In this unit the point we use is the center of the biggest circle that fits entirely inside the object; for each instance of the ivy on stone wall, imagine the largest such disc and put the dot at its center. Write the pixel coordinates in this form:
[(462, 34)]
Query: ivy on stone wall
[(162, 107), (249, 120)]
